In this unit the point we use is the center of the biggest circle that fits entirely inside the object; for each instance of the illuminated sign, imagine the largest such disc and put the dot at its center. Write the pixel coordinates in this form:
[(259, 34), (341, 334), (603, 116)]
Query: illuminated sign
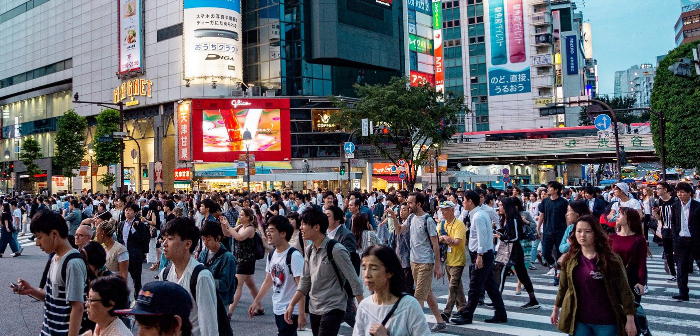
[(321, 120), (182, 174), (571, 55), (133, 88), (422, 6), (130, 35), (507, 51), (212, 39), (419, 78), (437, 45), (237, 102), (419, 44), (183, 132)]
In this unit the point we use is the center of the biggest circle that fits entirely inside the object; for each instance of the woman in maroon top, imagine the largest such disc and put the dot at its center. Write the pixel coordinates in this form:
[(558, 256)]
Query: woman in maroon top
[(630, 245)]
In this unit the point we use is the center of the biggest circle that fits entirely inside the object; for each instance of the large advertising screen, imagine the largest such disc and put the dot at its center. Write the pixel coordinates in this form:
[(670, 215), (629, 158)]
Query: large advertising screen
[(218, 128), (508, 50), (130, 35), (212, 40)]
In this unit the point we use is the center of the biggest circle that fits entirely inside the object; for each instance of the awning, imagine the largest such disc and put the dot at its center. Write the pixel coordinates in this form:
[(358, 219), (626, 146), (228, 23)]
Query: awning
[(389, 178), (228, 169)]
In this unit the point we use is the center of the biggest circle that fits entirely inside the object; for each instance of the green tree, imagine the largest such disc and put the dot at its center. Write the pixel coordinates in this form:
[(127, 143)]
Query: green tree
[(418, 119), (107, 152), (30, 151), (617, 103), (678, 99), (70, 144)]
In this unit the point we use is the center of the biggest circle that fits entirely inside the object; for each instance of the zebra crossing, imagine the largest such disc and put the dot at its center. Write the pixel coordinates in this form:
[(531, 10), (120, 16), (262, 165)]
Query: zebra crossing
[(24, 241)]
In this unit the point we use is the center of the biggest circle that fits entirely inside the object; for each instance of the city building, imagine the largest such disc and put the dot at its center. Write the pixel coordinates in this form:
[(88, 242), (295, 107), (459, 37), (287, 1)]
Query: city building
[(193, 76), (687, 27), (636, 82)]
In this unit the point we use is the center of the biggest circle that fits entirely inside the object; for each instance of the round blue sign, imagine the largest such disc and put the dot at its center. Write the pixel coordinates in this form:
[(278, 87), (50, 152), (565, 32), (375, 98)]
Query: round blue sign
[(506, 180), (602, 122), (402, 175)]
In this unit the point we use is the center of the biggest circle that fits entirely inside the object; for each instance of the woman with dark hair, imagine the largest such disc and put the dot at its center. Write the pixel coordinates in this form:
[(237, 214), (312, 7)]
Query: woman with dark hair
[(388, 311), (629, 243), (362, 230), (594, 296), (296, 240), (95, 258), (511, 233), (152, 220), (524, 241), (106, 295), (574, 211), (7, 228)]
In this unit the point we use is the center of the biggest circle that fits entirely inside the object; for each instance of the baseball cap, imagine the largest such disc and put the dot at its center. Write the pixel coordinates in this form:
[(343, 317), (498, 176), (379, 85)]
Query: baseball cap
[(624, 187), (161, 298), (446, 205)]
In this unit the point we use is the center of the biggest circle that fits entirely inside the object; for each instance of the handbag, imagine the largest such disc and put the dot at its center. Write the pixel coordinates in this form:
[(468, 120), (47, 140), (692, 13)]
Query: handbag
[(503, 253)]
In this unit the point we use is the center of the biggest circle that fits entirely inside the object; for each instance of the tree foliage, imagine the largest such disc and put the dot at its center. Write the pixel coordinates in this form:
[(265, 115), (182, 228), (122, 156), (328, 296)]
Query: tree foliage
[(418, 119), (107, 153), (678, 99), (107, 180), (70, 144), (618, 103), (29, 153)]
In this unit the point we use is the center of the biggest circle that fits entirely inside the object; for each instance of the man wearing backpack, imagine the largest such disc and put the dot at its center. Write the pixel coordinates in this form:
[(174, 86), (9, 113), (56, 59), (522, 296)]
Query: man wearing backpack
[(180, 239), (425, 254), (328, 277), (63, 311), (284, 264), (220, 262)]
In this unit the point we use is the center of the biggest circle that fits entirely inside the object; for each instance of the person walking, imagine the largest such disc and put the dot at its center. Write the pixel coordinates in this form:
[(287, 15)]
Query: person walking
[(481, 271), (134, 235), (244, 252), (8, 228), (629, 243), (364, 236), (453, 234), (664, 214), (219, 261), (686, 237), (594, 297), (553, 221)]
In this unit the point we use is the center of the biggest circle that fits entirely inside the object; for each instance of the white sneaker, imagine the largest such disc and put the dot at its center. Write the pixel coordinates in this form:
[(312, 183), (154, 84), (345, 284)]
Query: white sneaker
[(551, 271)]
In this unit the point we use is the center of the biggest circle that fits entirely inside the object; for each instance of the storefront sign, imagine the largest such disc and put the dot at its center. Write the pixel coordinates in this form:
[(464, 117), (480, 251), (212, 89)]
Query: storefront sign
[(542, 102), (183, 131), (384, 168), (437, 46), (130, 35), (84, 168), (133, 88), (419, 78), (419, 44), (442, 163), (212, 39), (94, 167), (182, 174), (321, 120)]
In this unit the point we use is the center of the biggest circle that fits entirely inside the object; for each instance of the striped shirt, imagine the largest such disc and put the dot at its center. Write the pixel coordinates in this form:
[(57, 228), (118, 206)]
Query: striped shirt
[(61, 292)]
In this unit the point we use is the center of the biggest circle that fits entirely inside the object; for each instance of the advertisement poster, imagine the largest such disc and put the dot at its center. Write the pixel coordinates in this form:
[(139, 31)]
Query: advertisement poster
[(419, 78), (218, 132), (130, 36), (508, 50), (422, 6), (183, 132), (212, 40), (437, 43), (571, 55)]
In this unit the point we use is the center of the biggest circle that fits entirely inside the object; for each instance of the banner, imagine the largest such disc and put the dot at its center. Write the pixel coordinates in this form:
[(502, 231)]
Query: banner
[(419, 78), (419, 44), (422, 6), (130, 35), (84, 168), (183, 132), (182, 174), (437, 45), (571, 55), (508, 50), (212, 41)]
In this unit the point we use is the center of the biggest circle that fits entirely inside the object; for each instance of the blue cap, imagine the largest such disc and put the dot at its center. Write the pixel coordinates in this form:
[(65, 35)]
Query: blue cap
[(161, 298)]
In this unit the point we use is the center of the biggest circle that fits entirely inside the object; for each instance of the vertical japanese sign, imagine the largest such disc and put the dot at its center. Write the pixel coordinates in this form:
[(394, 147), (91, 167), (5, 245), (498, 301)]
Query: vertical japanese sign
[(508, 50), (183, 132), (556, 37), (212, 40), (437, 46), (571, 55), (130, 35)]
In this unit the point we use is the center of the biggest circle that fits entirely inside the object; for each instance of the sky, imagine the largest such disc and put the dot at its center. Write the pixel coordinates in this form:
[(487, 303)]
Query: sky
[(628, 32)]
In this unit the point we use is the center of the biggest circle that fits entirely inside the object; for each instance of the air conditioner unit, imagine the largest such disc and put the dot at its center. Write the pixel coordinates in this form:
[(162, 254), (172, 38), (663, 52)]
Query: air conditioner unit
[(257, 91), (270, 93), (237, 93)]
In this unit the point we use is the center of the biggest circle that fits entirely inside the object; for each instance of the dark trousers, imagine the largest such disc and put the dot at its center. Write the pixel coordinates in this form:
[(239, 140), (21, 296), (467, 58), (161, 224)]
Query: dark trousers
[(518, 257), (550, 247), (284, 329), (646, 221), (668, 254), (327, 324), (135, 269), (408, 281), (482, 279), (683, 255), (7, 238)]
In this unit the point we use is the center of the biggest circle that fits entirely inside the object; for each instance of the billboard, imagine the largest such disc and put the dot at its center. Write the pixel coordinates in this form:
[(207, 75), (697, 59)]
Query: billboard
[(184, 130), (422, 6), (571, 55), (218, 126), (130, 34), (587, 40), (437, 45), (508, 48), (212, 41)]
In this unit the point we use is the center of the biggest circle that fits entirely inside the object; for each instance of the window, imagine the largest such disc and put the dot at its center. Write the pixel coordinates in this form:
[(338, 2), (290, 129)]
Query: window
[(36, 73), (23, 8), (169, 32)]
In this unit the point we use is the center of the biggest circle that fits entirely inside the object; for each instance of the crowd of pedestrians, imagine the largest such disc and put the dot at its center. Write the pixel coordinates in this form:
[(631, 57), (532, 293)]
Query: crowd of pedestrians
[(366, 259)]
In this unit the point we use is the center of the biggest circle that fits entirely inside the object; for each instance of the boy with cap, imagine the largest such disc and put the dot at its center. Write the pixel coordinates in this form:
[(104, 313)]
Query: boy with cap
[(622, 192), (162, 308)]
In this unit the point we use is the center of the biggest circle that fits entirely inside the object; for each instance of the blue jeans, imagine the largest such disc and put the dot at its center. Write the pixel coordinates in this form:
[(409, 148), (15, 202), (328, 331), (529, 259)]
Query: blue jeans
[(585, 329), (284, 329), (533, 252), (8, 238)]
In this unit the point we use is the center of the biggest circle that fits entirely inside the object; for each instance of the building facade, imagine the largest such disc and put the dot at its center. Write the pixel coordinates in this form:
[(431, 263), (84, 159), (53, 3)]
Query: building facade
[(687, 27), (636, 82)]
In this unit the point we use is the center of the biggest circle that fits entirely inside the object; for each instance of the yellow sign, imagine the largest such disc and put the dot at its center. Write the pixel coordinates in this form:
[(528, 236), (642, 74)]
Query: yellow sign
[(131, 89), (542, 102)]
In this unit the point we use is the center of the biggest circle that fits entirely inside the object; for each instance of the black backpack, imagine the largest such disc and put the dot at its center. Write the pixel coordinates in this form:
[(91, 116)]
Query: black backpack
[(222, 320), (288, 259), (258, 248)]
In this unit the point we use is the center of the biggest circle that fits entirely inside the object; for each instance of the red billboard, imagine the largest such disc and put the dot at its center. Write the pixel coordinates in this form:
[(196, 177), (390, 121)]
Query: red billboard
[(419, 78), (218, 126)]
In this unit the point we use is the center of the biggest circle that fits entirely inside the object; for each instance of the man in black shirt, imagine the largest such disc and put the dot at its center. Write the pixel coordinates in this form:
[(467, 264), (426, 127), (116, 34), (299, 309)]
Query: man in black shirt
[(664, 214), (553, 216)]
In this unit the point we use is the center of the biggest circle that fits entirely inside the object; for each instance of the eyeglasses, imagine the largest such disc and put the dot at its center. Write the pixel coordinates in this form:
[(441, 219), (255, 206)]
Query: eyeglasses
[(89, 300)]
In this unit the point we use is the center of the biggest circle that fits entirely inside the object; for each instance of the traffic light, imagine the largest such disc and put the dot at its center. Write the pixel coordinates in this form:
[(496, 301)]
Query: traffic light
[(144, 172), (382, 130), (682, 68), (342, 170)]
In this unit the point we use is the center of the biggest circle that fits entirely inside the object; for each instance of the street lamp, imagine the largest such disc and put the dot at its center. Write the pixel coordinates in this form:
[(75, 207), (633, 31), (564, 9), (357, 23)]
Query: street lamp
[(7, 154), (91, 153), (246, 138)]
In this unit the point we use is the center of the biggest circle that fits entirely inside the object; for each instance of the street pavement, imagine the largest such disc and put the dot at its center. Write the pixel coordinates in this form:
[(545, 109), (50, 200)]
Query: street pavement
[(22, 316)]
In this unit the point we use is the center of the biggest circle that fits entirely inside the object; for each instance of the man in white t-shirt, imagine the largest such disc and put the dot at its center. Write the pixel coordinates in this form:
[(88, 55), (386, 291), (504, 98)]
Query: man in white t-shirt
[(622, 191), (281, 269)]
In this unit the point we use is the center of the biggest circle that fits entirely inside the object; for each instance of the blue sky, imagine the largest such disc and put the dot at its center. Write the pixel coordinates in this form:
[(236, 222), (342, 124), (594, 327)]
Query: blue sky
[(628, 32)]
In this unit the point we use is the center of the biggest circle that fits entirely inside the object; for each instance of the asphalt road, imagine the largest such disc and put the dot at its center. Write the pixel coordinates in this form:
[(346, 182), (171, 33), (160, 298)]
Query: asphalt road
[(22, 316)]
